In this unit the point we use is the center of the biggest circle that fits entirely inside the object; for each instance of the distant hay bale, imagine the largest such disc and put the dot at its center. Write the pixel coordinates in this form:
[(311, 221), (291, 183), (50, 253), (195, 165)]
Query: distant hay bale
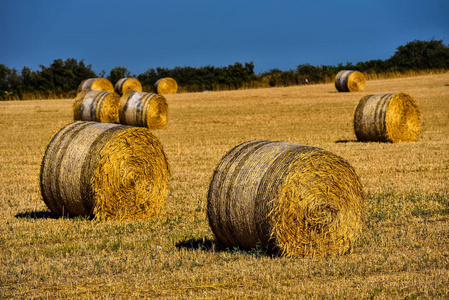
[(288, 198), (108, 171), (143, 109), (96, 106), (96, 84), (125, 85), (350, 81), (166, 85), (387, 118)]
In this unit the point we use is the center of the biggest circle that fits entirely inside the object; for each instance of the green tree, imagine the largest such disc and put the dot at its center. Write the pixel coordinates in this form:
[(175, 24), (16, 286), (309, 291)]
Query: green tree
[(5, 74), (420, 55), (118, 73)]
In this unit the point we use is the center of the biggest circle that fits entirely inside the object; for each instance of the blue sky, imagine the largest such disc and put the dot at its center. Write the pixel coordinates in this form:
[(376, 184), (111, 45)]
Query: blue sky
[(142, 34)]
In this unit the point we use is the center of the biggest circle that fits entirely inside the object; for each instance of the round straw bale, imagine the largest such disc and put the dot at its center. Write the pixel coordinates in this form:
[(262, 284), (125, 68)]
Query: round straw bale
[(143, 109), (96, 84), (387, 118), (125, 85), (166, 85), (108, 171), (291, 199), (96, 106), (350, 81)]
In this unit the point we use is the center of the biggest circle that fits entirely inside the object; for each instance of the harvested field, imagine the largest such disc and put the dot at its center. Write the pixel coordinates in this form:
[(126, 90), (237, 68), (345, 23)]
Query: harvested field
[(402, 251)]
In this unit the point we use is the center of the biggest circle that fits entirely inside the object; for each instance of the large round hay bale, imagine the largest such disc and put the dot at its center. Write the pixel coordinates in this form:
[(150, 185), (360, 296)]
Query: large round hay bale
[(350, 81), (108, 171), (125, 85), (96, 84), (143, 109), (96, 106), (292, 199), (166, 85), (387, 118)]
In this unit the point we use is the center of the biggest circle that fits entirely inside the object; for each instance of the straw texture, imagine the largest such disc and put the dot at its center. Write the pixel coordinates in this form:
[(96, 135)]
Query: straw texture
[(350, 81), (96, 84), (387, 118), (166, 85), (143, 109), (288, 198), (125, 85), (107, 171), (96, 106)]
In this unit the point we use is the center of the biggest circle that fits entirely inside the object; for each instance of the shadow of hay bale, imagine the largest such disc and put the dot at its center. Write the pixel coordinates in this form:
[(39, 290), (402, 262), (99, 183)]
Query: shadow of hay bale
[(43, 214), (209, 245), (348, 141), (203, 244)]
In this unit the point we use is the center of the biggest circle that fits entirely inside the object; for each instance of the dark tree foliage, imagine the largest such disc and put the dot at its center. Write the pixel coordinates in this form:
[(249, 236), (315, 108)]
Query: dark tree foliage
[(421, 55), (65, 76), (60, 77), (202, 78), (118, 73)]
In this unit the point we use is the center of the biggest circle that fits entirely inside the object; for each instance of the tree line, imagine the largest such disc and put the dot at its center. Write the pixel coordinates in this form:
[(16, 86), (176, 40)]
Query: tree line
[(61, 78)]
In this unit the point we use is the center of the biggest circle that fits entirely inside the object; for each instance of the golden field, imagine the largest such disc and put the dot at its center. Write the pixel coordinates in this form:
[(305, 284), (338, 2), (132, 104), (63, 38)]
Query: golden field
[(403, 251)]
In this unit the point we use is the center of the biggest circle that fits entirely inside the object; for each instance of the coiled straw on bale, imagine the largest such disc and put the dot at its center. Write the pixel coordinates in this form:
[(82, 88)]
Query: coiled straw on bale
[(387, 118), (108, 171), (96, 106), (350, 81), (125, 85), (143, 109), (292, 199), (166, 85), (96, 84)]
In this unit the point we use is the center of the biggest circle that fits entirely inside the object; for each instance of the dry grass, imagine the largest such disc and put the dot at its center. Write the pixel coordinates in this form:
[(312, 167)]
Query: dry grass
[(402, 252)]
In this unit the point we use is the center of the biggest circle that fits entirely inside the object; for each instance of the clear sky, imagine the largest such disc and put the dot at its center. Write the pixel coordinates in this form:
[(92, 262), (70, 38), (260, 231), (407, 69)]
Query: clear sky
[(143, 34)]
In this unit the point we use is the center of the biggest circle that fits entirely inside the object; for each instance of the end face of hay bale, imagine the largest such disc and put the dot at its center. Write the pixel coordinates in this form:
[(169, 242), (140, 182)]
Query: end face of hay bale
[(96, 84), (166, 85), (143, 110), (293, 199), (109, 171), (350, 81), (125, 85), (387, 118), (96, 106)]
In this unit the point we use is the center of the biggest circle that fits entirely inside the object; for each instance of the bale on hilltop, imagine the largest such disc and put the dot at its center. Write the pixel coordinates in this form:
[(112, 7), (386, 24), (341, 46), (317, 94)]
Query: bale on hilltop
[(96, 84), (125, 85), (291, 199), (108, 171), (387, 118), (143, 109), (350, 81), (99, 106), (166, 85)]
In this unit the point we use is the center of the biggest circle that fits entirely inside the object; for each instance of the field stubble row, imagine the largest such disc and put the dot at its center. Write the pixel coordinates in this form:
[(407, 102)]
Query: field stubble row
[(403, 250)]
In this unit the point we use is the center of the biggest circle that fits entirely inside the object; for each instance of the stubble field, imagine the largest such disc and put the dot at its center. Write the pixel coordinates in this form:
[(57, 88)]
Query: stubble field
[(403, 250)]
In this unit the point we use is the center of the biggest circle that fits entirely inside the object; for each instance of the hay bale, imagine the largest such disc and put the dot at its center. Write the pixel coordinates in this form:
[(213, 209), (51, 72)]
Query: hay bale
[(350, 81), (96, 106), (125, 85), (143, 109), (96, 84), (292, 199), (387, 118), (108, 171), (166, 85)]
